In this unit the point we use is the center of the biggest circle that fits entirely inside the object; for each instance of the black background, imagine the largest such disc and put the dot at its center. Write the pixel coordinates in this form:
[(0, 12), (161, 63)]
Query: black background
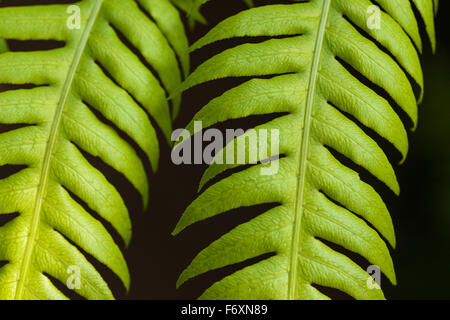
[(421, 214)]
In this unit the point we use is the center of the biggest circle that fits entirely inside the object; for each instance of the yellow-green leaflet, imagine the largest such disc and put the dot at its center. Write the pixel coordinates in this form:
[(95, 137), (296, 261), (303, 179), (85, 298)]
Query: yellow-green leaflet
[(303, 74), (95, 73)]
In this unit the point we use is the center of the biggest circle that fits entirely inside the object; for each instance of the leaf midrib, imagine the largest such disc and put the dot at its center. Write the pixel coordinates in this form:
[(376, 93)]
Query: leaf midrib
[(303, 151), (42, 187)]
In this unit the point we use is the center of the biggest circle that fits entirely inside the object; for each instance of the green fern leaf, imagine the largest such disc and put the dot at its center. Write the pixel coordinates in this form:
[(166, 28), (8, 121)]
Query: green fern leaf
[(60, 123), (192, 8), (318, 197), (3, 46)]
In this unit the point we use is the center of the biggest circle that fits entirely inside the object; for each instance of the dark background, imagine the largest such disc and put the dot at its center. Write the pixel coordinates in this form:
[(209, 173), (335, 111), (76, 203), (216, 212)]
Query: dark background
[(421, 214)]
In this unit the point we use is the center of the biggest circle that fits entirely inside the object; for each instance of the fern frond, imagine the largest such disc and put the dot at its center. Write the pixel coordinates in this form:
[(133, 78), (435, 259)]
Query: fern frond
[(323, 105), (192, 8), (89, 96)]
